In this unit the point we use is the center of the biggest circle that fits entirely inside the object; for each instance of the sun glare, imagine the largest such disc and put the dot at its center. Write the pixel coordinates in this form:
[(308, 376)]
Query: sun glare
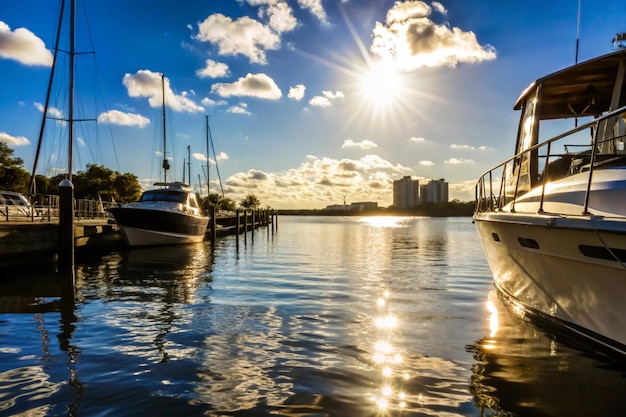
[(381, 85)]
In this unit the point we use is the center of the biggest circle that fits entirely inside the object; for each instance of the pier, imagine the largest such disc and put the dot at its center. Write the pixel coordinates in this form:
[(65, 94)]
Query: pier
[(24, 238)]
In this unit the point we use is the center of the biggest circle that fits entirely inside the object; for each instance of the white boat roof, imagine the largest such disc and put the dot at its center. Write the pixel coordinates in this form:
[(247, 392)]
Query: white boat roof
[(173, 185), (586, 87)]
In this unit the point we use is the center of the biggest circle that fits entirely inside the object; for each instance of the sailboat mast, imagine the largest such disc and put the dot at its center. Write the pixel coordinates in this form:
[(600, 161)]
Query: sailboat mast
[(166, 164), (70, 110), (189, 163), (208, 175)]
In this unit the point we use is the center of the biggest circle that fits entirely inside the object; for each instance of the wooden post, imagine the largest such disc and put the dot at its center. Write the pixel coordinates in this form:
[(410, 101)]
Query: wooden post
[(238, 223), (65, 259), (253, 223), (213, 224), (245, 225)]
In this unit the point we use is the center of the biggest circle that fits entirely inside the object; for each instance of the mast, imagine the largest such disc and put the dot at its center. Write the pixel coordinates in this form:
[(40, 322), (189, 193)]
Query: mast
[(33, 189), (188, 164), (208, 176), (71, 88), (166, 164)]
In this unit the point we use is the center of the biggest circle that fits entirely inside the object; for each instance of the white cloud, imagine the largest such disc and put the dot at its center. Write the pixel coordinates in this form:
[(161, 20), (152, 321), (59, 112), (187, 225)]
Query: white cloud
[(297, 92), (469, 147), (222, 156), (13, 140), (281, 18), (326, 99), (253, 85), (439, 7), (366, 144), (414, 139), (459, 161), (52, 111), (213, 69), (241, 108), (244, 36), (411, 40), (461, 147), (145, 83), (316, 8), (117, 117), (23, 46), (426, 163), (318, 182)]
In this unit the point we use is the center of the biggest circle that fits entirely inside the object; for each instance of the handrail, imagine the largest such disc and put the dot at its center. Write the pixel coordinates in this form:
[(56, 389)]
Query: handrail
[(482, 193), (48, 209)]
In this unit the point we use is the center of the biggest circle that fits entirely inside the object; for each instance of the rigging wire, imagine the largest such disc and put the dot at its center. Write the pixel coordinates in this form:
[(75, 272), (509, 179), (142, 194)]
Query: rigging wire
[(215, 156)]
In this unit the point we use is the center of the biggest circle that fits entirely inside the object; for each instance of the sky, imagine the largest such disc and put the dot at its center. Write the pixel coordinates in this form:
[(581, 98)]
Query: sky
[(310, 102)]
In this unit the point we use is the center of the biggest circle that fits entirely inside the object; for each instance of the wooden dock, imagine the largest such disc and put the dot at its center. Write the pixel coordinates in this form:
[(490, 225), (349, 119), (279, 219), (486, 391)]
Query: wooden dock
[(27, 239)]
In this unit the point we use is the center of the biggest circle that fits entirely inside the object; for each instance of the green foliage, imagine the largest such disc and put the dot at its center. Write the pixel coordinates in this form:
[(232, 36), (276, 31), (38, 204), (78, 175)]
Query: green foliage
[(12, 176), (95, 181), (251, 202), (219, 202)]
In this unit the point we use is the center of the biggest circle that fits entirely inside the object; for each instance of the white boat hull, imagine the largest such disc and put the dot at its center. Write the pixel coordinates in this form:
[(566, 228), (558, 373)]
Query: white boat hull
[(560, 268), (140, 237)]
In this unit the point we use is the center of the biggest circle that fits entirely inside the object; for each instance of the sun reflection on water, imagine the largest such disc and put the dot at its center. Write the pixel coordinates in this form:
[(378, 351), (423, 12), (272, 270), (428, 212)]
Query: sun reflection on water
[(386, 358)]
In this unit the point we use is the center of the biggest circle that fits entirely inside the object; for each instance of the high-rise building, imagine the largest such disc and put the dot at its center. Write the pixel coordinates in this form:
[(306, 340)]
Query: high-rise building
[(436, 191), (405, 193)]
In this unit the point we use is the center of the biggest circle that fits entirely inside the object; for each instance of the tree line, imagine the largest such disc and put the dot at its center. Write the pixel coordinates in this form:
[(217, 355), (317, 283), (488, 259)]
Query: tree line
[(95, 182)]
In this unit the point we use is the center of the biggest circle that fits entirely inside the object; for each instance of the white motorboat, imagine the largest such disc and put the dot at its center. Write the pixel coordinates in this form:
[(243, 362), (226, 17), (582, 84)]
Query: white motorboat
[(552, 218), (167, 215)]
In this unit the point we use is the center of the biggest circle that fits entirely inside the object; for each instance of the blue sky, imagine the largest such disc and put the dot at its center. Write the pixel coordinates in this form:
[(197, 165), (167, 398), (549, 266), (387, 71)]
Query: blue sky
[(311, 102)]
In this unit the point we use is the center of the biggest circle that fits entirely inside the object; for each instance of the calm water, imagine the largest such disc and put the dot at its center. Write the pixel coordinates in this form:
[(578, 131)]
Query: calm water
[(321, 317)]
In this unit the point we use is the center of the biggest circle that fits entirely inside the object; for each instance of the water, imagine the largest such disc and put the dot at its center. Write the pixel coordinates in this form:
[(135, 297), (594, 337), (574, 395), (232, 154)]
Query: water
[(338, 316)]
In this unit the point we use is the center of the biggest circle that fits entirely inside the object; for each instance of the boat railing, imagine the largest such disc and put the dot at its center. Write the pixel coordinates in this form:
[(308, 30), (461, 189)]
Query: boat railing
[(498, 187), (45, 208)]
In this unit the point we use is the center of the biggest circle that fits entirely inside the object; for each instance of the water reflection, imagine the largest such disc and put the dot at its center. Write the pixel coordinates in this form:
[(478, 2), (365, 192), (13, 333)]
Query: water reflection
[(523, 370)]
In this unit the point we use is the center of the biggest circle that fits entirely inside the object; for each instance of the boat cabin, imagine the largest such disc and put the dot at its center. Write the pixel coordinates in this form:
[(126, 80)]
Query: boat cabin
[(594, 90), (174, 192)]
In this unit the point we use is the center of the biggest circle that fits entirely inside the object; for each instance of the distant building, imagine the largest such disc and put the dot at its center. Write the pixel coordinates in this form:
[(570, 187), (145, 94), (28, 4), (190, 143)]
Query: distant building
[(363, 206), (406, 193), (436, 191), (338, 207)]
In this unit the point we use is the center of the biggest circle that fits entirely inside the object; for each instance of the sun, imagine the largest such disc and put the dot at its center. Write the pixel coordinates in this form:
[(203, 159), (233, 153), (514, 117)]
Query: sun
[(381, 85)]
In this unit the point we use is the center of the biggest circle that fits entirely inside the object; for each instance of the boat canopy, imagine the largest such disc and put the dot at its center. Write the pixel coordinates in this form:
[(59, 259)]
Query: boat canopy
[(585, 89)]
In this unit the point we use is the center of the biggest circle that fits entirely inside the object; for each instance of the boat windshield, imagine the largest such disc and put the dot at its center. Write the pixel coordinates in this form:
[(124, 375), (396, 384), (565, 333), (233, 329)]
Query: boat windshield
[(164, 195)]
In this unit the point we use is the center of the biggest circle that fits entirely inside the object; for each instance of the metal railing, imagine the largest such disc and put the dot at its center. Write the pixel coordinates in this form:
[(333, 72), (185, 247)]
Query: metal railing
[(502, 184), (45, 208)]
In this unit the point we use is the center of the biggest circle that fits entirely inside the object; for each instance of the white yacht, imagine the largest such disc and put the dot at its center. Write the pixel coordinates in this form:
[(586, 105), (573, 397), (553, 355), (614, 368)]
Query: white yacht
[(552, 218)]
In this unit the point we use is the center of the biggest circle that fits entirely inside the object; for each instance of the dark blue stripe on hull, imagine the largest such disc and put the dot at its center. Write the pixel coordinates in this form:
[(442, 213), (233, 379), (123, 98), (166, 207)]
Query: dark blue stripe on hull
[(159, 220)]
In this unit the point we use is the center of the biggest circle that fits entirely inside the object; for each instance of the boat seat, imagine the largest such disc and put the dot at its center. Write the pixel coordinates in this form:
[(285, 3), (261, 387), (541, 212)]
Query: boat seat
[(558, 168)]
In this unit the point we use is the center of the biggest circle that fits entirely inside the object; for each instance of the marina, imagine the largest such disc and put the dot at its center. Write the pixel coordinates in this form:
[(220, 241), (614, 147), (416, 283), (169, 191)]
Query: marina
[(330, 316)]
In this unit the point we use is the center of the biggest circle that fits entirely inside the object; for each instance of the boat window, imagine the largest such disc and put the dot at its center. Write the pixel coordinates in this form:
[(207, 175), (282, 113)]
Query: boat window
[(158, 195), (521, 175)]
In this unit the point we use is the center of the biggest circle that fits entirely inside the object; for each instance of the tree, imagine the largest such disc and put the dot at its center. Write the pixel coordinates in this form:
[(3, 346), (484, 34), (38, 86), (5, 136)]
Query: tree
[(12, 176), (251, 202), (127, 187), (219, 202)]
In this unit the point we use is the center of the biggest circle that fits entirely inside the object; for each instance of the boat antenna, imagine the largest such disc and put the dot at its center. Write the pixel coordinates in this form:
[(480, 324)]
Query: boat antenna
[(166, 164), (577, 33)]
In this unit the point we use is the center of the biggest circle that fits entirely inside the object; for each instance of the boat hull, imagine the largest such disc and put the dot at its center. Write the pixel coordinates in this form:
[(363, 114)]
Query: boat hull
[(569, 270), (148, 227)]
